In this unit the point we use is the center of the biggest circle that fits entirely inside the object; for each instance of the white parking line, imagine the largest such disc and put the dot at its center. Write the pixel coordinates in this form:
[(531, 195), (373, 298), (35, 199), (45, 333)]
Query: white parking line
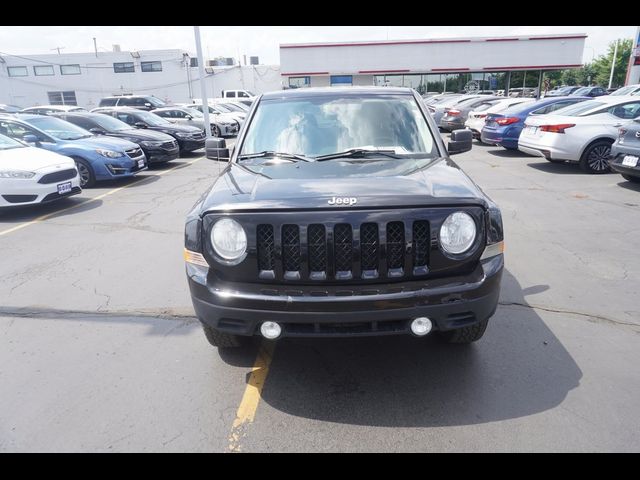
[(99, 197)]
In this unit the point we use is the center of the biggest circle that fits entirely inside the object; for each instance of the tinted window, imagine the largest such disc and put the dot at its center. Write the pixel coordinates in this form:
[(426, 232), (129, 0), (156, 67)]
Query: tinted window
[(628, 111), (59, 128), (16, 130), (109, 123), (230, 94), (108, 102), (126, 118), (123, 67), (580, 108), (151, 66), (82, 122)]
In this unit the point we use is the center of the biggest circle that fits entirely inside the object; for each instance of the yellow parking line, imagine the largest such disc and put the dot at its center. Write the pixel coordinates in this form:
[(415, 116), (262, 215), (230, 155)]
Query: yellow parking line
[(251, 398), (99, 197)]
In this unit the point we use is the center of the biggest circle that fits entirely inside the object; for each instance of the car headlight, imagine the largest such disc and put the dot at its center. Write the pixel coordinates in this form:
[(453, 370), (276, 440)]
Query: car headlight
[(109, 153), (184, 135), (151, 144), (229, 239), (16, 174), (458, 232)]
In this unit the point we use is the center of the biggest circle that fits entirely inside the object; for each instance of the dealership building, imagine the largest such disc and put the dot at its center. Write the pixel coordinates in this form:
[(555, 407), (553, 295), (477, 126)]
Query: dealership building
[(487, 63)]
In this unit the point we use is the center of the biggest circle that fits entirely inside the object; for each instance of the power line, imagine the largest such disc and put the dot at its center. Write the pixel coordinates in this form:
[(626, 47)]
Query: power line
[(96, 67)]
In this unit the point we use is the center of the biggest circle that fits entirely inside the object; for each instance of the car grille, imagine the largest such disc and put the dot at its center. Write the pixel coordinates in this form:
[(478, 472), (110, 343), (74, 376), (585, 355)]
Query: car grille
[(343, 251), (170, 145), (59, 176), (134, 152)]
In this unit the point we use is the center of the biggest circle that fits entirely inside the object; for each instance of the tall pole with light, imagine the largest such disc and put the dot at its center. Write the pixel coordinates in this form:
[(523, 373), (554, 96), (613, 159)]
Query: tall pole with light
[(613, 63), (203, 88)]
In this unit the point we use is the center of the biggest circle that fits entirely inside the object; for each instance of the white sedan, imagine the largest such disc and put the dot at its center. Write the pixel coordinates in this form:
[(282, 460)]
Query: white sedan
[(476, 118), (30, 175), (582, 133)]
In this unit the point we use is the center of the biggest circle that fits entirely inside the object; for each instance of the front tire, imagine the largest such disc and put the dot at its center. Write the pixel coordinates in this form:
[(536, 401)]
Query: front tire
[(595, 159), (87, 176), (224, 340), (215, 131), (631, 178), (465, 335)]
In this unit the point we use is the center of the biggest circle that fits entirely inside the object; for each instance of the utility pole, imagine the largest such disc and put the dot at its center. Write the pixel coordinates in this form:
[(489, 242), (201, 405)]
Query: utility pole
[(58, 49), (203, 87), (95, 46), (613, 63)]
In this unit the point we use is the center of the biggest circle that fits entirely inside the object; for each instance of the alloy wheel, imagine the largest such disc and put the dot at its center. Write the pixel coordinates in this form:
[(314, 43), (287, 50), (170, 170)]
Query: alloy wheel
[(598, 158)]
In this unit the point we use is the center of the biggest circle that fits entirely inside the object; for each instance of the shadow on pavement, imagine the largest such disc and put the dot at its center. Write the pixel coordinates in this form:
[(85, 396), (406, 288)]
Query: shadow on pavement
[(518, 369), (68, 206), (504, 153), (630, 185), (565, 168)]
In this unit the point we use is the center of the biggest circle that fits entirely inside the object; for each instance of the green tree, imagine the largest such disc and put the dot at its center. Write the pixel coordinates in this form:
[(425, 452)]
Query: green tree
[(602, 64)]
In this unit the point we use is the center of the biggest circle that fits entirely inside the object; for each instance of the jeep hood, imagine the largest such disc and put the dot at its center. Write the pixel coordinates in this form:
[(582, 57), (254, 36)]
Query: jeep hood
[(385, 183)]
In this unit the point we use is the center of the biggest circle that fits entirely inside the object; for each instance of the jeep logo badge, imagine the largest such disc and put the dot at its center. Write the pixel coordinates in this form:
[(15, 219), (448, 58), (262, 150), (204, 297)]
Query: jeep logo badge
[(343, 201)]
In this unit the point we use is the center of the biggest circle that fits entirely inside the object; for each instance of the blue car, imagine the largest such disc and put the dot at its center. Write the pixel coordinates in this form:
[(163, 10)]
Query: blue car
[(504, 128), (97, 157)]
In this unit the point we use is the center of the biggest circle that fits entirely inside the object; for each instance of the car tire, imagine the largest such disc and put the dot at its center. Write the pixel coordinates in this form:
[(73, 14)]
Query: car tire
[(595, 158), (87, 176), (465, 335), (224, 340), (215, 131), (631, 178)]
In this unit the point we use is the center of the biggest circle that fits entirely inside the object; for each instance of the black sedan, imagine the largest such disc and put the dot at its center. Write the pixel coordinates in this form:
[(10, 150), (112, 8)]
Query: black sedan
[(158, 147), (625, 152), (189, 138)]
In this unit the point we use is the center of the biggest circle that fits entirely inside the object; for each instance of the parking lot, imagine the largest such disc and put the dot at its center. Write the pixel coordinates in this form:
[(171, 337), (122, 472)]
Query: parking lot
[(100, 350)]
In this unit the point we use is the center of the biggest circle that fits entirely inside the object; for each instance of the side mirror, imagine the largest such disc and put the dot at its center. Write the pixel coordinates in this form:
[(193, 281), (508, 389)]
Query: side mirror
[(97, 131), (216, 149), (30, 138), (461, 141), (189, 117), (140, 125)]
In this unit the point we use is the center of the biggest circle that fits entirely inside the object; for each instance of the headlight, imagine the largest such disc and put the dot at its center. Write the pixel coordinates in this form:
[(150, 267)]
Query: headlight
[(228, 239), (109, 153), (184, 135), (151, 144), (457, 233), (16, 174)]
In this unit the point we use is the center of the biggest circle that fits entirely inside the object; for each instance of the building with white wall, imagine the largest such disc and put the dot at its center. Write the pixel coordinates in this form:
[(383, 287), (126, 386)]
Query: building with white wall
[(431, 64), (84, 78)]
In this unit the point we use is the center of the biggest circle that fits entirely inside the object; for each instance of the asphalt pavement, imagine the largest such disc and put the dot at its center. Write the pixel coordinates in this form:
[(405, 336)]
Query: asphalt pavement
[(99, 349)]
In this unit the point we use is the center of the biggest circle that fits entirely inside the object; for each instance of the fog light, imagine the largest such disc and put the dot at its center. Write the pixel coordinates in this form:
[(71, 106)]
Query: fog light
[(270, 330), (421, 326)]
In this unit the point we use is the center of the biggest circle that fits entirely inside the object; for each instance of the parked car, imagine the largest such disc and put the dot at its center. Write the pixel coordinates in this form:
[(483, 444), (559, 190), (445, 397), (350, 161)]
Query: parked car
[(234, 106), (218, 108), (454, 117), (562, 91), (158, 147), (438, 110), (284, 214), (140, 102), (523, 92), (625, 152), (49, 109), (30, 176), (504, 128), (580, 133), (441, 98), (628, 90), (590, 92), (221, 125), (4, 108), (244, 96), (476, 118), (189, 138), (96, 158)]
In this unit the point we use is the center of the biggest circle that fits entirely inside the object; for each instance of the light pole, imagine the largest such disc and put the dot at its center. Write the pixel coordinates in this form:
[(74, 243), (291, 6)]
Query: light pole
[(613, 63), (203, 88)]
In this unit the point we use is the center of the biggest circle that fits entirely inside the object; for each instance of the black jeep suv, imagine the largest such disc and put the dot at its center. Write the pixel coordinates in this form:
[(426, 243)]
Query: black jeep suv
[(340, 213)]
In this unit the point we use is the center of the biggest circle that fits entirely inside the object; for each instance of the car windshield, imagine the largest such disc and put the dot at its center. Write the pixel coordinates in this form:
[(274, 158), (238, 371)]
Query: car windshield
[(578, 109), (193, 112), (156, 102), (152, 119), (232, 108), (59, 128), (628, 90), (110, 124), (582, 91), (323, 125), (221, 108), (7, 143)]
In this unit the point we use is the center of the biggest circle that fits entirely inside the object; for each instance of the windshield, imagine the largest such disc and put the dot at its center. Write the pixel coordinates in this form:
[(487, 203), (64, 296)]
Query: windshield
[(582, 91), (110, 124), (324, 125), (6, 143), (59, 128), (193, 112), (156, 102), (577, 109), (233, 108), (152, 119), (629, 90), (221, 108)]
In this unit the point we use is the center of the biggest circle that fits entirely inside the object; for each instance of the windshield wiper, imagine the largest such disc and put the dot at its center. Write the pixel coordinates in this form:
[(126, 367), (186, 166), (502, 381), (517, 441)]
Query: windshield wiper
[(358, 153), (271, 153)]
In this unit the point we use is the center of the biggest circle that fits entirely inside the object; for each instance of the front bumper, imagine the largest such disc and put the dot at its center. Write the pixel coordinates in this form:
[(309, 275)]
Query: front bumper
[(160, 154), (18, 193), (229, 130), (188, 145), (451, 124), (330, 311)]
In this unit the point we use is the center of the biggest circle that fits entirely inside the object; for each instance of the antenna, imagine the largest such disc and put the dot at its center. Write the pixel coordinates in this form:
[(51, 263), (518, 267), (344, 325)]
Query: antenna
[(58, 49)]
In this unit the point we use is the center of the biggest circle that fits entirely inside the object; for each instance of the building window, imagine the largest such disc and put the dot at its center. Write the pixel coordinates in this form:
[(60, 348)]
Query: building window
[(62, 98), (43, 70), (299, 82), (73, 69), (17, 71), (151, 66), (124, 67), (341, 80), (193, 61)]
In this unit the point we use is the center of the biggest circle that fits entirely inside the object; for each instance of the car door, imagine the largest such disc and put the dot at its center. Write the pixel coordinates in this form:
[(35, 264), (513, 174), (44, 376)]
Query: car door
[(19, 131)]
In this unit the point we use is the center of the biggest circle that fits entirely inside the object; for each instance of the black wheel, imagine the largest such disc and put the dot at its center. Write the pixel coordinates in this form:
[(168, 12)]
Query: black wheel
[(224, 340), (468, 334), (631, 178), (595, 158), (87, 177), (215, 131)]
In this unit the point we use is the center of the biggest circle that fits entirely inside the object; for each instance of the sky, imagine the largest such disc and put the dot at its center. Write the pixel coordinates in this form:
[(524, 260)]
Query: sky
[(236, 41)]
